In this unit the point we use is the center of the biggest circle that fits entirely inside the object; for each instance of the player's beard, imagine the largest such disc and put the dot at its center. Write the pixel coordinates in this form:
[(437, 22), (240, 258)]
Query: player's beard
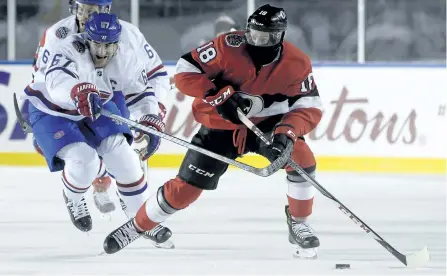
[(263, 55)]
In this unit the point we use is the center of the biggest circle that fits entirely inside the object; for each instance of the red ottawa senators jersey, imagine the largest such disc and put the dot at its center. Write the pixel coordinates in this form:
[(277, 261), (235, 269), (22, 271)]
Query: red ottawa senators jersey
[(285, 86)]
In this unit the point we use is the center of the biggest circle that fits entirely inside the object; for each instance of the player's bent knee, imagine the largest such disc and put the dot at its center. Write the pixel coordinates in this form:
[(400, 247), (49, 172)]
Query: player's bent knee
[(120, 159), (171, 197), (81, 163), (179, 194), (302, 154), (111, 143), (201, 171)]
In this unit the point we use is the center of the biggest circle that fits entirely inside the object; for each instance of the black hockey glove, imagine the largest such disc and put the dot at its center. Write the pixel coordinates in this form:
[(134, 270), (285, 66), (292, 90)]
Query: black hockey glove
[(279, 144), (226, 101)]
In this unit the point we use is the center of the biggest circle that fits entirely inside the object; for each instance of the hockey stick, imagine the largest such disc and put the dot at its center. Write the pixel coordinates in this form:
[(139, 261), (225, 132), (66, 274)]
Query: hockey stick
[(23, 123), (416, 260), (264, 172)]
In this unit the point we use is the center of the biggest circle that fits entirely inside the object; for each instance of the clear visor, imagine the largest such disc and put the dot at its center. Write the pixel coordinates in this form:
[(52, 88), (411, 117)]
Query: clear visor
[(261, 38), (83, 12), (102, 52)]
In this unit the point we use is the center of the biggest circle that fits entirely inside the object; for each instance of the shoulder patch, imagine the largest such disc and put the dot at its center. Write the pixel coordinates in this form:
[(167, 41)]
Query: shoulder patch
[(62, 32), (234, 40), (79, 46)]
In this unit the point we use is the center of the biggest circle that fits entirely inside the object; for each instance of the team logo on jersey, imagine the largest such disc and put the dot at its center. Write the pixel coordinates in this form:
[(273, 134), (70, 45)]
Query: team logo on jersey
[(234, 40), (79, 46), (62, 32), (254, 104)]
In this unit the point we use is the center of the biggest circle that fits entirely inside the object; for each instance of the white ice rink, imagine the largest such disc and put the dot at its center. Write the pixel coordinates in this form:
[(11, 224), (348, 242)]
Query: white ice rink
[(238, 229)]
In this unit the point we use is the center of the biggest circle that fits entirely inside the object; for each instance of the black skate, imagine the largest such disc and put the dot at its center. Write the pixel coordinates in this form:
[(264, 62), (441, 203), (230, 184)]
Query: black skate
[(159, 235), (121, 237), (79, 213), (303, 236)]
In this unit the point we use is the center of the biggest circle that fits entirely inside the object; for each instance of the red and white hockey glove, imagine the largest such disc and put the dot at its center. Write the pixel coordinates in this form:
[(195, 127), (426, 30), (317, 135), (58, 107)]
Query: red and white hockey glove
[(147, 144), (86, 99), (226, 102)]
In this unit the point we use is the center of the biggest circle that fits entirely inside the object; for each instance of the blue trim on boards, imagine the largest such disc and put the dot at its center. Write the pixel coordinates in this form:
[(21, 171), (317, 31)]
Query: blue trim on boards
[(16, 62), (316, 64)]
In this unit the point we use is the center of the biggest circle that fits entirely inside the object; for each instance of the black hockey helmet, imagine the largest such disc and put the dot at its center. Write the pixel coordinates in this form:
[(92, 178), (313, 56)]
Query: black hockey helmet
[(266, 26)]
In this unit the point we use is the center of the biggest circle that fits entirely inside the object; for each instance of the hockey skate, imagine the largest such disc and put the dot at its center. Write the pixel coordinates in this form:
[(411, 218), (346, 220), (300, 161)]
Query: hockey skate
[(121, 237), (101, 196), (303, 236), (79, 214), (159, 235)]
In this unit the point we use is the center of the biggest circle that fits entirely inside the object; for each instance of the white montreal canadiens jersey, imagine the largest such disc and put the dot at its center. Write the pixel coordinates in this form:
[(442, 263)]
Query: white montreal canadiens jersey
[(69, 63), (131, 37)]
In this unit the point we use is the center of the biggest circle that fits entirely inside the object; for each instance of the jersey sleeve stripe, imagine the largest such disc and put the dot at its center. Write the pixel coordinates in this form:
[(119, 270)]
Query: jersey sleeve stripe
[(153, 71), (65, 70), (67, 63), (309, 100), (159, 74), (43, 39), (188, 57), (35, 93), (139, 98)]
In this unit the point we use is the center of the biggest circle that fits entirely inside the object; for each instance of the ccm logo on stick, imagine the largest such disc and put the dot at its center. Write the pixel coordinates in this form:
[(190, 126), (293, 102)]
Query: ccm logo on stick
[(200, 171)]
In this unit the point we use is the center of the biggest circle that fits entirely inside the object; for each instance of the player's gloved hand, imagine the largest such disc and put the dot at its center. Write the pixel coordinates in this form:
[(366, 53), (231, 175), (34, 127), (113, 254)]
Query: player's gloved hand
[(276, 148), (86, 98), (226, 102), (147, 144)]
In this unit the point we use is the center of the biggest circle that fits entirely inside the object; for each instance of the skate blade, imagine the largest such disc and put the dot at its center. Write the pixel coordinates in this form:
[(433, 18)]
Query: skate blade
[(166, 245), (305, 253)]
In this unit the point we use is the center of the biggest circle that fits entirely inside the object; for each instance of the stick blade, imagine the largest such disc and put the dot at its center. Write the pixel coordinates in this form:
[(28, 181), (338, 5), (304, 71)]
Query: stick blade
[(419, 259)]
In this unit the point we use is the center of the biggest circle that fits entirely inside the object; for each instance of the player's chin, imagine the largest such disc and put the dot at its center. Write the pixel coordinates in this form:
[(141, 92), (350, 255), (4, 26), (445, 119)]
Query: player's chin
[(101, 61)]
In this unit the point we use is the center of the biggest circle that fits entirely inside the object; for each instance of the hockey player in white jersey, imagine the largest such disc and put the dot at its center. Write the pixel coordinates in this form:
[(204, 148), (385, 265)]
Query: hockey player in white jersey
[(156, 74), (78, 77)]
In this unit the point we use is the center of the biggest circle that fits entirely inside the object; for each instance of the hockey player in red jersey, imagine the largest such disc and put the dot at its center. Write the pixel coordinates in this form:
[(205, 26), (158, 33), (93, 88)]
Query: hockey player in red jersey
[(272, 82)]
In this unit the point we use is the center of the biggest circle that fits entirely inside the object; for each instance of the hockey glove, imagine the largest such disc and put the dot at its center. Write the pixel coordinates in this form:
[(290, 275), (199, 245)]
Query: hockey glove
[(86, 99), (275, 149), (147, 144), (226, 102)]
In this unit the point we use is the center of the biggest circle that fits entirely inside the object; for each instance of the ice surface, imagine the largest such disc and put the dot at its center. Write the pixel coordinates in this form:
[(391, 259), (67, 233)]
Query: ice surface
[(238, 229)]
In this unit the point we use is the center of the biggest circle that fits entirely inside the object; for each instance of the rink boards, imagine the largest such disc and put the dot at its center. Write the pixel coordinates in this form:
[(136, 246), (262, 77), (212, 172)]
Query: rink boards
[(376, 119)]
